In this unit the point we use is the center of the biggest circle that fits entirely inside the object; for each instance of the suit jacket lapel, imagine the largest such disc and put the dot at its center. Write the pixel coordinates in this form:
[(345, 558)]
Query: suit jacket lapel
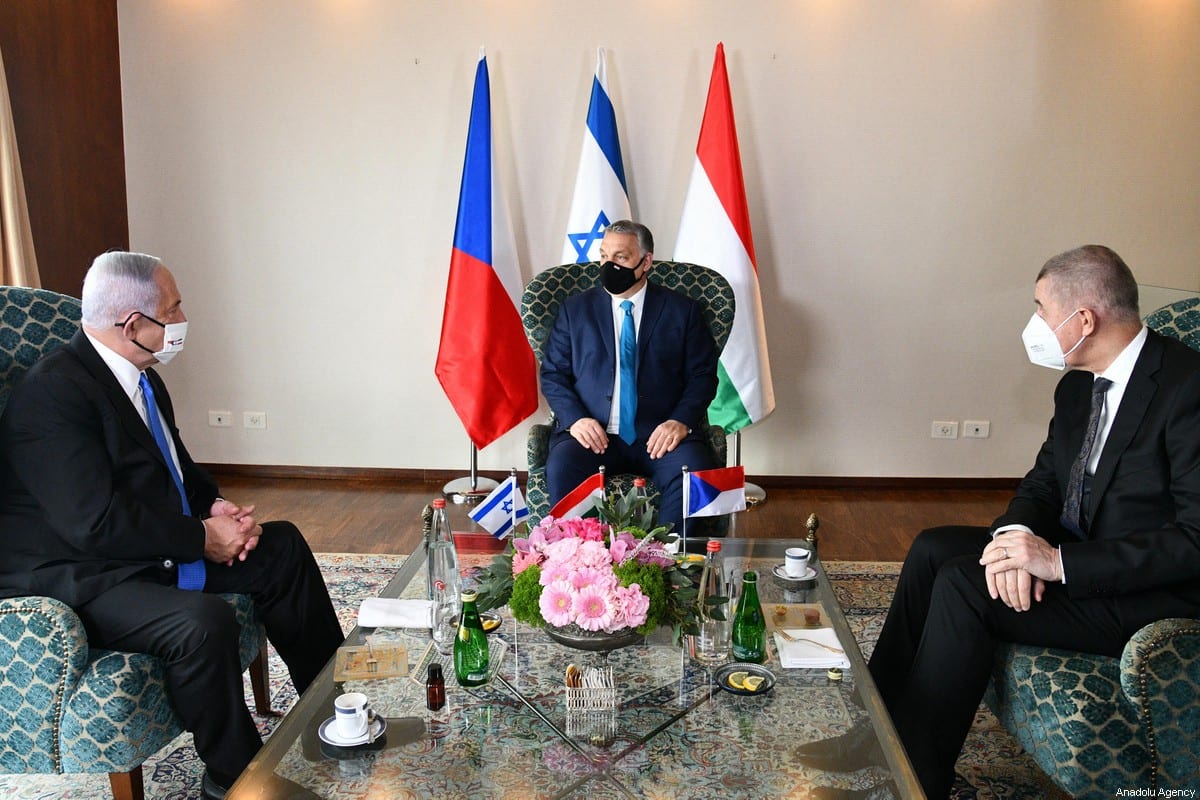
[(651, 313), (126, 413), (600, 309), (1137, 397)]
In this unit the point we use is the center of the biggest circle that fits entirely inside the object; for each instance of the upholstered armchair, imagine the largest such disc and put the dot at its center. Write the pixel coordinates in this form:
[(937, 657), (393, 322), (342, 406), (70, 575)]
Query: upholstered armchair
[(539, 308), (1097, 724), (64, 706)]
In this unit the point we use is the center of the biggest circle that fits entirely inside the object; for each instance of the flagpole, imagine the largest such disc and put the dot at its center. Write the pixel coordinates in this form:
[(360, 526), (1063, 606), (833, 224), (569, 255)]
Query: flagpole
[(472, 488), (685, 494), (755, 494), (512, 473)]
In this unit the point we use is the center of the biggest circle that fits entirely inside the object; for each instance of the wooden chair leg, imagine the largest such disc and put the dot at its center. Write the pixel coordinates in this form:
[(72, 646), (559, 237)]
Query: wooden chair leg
[(260, 684), (127, 785)]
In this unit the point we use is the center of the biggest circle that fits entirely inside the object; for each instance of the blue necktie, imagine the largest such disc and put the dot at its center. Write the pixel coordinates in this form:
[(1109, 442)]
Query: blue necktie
[(1072, 515), (191, 575), (628, 407)]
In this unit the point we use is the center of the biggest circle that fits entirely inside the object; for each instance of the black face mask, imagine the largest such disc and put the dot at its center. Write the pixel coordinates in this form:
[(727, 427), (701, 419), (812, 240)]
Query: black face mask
[(618, 280)]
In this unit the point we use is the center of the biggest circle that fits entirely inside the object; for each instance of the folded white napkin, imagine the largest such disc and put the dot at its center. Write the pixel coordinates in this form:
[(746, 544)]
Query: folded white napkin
[(383, 612), (805, 655)]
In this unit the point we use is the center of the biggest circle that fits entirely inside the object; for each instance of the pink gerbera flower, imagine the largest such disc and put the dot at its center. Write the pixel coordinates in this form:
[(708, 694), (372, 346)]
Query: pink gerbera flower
[(592, 610), (557, 604)]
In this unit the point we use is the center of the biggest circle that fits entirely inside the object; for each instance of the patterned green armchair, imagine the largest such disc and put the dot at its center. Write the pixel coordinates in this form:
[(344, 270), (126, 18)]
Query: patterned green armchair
[(65, 707), (1097, 724), (539, 308)]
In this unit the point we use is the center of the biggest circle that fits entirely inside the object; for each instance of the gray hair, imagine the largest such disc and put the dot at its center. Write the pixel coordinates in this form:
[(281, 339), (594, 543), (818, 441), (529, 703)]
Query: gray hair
[(1096, 277), (116, 283), (644, 237)]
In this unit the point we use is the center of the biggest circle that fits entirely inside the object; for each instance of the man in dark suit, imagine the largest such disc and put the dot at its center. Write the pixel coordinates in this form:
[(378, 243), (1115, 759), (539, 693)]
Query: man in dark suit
[(651, 429), (126, 529), (1081, 563)]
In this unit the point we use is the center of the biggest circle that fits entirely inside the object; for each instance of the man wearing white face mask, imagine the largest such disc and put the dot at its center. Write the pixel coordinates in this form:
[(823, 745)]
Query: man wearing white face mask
[(1102, 537), (102, 507)]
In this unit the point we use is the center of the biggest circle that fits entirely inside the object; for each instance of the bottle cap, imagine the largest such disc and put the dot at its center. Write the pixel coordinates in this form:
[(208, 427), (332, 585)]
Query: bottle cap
[(714, 545), (469, 595), (639, 483), (439, 502), (435, 672)]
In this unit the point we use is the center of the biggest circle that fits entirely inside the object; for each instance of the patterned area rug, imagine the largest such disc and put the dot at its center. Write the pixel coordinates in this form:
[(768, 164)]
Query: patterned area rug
[(992, 764)]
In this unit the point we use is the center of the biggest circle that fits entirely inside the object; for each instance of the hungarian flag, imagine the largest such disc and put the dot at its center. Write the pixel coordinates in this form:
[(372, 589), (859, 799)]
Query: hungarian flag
[(715, 231), (581, 501), (601, 195), (484, 362), (711, 492)]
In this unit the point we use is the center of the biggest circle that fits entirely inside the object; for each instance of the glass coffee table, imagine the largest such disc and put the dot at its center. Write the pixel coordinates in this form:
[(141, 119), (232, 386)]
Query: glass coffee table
[(672, 733)]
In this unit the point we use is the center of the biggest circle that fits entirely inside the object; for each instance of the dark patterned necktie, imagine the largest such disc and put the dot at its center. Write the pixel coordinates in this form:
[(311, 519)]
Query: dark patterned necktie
[(191, 574), (1072, 513)]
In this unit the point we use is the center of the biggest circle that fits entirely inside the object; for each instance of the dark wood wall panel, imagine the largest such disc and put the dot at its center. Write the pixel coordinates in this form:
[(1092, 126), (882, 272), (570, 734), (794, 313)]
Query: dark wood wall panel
[(63, 63)]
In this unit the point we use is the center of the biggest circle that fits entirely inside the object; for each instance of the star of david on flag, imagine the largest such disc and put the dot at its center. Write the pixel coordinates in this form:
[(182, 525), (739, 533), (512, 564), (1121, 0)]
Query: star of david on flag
[(601, 195), (502, 510)]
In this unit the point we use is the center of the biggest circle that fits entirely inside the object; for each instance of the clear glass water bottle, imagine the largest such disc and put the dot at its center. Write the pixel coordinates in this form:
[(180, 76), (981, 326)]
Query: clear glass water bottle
[(470, 645), (710, 645), (445, 582), (749, 624)]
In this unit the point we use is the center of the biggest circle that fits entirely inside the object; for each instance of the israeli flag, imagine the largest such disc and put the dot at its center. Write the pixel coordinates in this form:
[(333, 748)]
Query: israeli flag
[(601, 194), (501, 510)]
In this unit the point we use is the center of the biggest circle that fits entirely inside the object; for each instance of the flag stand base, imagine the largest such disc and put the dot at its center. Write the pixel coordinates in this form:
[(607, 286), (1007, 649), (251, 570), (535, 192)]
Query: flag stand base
[(467, 491), (755, 494)]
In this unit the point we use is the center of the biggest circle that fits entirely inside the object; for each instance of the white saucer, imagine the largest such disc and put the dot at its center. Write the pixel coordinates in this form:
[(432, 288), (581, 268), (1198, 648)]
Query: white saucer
[(781, 573), (328, 733)]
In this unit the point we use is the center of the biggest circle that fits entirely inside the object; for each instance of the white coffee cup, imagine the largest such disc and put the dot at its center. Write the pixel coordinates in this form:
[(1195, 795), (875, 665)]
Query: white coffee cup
[(351, 715), (795, 562)]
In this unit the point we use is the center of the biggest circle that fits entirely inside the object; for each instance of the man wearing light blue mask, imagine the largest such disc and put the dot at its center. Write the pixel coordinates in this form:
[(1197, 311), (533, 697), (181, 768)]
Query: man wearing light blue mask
[(102, 507), (1102, 537)]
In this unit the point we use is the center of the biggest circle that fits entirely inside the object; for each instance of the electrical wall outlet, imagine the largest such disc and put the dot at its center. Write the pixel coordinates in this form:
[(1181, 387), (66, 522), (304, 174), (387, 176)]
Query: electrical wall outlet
[(943, 429), (977, 429), (254, 419), (220, 419)]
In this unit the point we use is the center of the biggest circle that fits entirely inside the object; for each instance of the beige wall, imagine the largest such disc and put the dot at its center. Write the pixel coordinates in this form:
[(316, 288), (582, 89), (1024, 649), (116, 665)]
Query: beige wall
[(909, 167)]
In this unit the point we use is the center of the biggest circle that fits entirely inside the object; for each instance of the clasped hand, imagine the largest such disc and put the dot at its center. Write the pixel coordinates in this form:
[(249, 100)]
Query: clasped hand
[(230, 532), (1017, 566)]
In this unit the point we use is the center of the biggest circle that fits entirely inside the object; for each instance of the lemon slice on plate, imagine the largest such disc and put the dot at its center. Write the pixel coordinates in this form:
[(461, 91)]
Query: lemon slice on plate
[(751, 682), (490, 624), (737, 679)]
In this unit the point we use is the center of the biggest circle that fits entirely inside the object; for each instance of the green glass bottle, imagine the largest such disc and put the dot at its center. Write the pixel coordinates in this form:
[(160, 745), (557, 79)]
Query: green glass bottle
[(749, 624), (471, 646)]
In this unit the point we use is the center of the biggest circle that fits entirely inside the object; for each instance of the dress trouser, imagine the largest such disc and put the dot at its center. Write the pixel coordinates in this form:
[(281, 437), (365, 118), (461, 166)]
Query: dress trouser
[(935, 652), (569, 464), (196, 635)]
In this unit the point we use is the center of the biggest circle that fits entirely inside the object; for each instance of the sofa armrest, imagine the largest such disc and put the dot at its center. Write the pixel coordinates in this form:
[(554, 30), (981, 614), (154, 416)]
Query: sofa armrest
[(43, 654), (1160, 674), (537, 446)]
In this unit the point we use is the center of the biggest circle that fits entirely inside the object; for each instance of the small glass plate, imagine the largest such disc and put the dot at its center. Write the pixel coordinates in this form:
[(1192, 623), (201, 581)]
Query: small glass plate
[(721, 676)]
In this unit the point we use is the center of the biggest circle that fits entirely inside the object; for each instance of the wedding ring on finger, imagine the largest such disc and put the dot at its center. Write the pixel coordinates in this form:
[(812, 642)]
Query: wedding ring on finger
[(1004, 551)]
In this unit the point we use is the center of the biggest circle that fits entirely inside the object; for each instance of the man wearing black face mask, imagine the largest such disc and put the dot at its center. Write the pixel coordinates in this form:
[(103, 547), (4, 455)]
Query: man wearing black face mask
[(629, 371)]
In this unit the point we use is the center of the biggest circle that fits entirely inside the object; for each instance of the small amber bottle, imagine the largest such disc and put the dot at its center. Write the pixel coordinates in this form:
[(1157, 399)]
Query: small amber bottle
[(435, 688)]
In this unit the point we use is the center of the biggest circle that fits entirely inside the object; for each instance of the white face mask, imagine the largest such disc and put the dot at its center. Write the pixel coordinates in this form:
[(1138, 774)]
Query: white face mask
[(174, 334), (1041, 343)]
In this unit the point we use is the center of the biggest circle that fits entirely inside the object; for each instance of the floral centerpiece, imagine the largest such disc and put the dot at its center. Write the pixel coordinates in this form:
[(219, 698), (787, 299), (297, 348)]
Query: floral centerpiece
[(606, 575)]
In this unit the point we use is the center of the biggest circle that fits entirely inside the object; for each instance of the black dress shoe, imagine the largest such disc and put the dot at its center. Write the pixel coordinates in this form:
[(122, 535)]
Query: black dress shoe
[(854, 749), (210, 788)]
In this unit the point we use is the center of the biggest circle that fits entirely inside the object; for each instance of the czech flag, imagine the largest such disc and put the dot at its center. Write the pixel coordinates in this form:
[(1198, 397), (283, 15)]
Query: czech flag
[(712, 492), (484, 362), (581, 501)]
